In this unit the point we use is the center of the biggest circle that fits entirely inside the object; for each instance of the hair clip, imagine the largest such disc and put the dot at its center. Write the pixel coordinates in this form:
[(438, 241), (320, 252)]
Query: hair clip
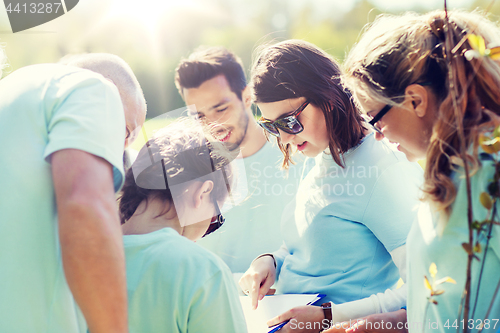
[(479, 49), (437, 28)]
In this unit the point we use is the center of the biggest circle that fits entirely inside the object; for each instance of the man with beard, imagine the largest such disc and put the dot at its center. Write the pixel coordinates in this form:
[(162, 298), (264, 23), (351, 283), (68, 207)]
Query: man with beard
[(212, 82)]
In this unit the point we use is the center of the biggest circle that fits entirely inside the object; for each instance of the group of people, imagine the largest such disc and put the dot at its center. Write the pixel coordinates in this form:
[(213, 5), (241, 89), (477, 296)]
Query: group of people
[(352, 219)]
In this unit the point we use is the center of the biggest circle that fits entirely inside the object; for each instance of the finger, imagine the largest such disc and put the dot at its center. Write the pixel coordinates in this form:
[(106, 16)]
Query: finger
[(279, 319), (288, 328), (357, 327), (335, 329), (245, 281), (340, 327), (254, 293)]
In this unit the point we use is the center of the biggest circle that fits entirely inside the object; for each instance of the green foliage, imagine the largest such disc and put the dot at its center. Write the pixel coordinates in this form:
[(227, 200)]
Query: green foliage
[(240, 25)]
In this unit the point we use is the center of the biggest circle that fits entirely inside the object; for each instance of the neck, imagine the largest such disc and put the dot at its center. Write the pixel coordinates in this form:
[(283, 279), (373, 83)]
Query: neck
[(146, 219), (254, 138)]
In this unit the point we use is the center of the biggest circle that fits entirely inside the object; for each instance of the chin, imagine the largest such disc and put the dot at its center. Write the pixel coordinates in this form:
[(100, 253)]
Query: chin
[(310, 153), (410, 156)]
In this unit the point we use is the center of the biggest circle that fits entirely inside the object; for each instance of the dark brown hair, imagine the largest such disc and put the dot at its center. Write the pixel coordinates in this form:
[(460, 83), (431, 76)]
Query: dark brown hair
[(178, 154), (295, 68), (205, 64)]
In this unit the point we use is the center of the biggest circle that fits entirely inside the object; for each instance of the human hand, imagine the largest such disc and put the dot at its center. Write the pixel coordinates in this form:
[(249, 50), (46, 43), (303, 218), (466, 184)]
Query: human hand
[(306, 319), (258, 279), (388, 322)]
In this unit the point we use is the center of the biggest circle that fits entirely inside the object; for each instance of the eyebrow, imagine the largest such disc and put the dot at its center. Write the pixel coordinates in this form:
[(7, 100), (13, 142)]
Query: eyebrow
[(289, 113), (219, 104), (224, 101)]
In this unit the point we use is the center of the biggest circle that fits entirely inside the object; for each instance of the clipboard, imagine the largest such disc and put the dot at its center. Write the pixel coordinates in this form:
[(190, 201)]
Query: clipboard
[(271, 306)]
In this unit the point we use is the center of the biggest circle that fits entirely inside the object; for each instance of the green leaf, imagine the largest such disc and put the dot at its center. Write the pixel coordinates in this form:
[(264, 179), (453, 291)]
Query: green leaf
[(496, 132), (427, 283), (486, 200), (433, 270), (445, 279), (477, 43), (494, 53), (477, 248), (490, 146), (437, 292), (467, 248), (476, 225)]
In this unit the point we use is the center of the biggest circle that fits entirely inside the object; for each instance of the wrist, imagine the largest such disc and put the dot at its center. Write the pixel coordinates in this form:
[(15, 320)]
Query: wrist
[(327, 315), (265, 255)]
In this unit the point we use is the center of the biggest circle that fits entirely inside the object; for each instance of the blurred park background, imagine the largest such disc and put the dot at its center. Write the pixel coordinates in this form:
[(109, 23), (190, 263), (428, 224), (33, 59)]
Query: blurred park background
[(153, 35)]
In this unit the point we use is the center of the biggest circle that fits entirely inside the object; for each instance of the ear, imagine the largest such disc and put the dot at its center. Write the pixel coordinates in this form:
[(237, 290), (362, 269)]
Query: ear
[(246, 97), (419, 98), (202, 194)]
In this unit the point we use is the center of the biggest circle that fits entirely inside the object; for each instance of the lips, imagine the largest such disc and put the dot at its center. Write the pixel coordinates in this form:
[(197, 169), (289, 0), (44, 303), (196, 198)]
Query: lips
[(302, 146), (223, 136)]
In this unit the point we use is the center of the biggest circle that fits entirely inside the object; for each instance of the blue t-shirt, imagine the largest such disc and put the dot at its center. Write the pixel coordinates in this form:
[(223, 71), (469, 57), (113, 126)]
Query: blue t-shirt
[(175, 286), (253, 226), (345, 221), (427, 245), (43, 109)]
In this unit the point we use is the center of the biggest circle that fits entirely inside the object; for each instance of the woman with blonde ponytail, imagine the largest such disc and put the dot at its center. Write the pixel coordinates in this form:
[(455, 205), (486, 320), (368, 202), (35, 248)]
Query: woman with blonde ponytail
[(425, 83)]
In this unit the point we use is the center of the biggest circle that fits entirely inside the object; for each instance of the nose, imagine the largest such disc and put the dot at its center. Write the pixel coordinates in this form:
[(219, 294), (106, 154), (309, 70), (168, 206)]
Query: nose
[(378, 136), (286, 138)]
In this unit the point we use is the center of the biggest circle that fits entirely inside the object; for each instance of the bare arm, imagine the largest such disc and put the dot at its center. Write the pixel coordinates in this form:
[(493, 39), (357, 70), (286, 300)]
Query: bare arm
[(91, 238)]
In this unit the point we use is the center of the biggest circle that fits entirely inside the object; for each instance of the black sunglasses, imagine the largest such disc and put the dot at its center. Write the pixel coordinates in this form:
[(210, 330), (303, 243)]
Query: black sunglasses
[(217, 221), (288, 124), (373, 122)]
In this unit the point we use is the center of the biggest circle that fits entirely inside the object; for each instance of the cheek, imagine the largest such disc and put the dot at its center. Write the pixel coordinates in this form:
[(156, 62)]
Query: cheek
[(318, 129)]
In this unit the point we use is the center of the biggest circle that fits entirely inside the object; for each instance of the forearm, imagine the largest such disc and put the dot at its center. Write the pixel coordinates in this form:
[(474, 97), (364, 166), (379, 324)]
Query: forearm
[(279, 256), (390, 300), (94, 264)]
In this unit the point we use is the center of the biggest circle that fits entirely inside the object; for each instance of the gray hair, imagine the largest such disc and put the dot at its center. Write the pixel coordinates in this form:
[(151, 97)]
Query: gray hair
[(112, 68)]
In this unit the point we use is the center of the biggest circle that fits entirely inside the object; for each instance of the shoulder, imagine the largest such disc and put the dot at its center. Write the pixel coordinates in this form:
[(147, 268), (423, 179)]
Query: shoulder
[(381, 153), (269, 151), (377, 162), (53, 80), (69, 78), (170, 249), (53, 72), (271, 156)]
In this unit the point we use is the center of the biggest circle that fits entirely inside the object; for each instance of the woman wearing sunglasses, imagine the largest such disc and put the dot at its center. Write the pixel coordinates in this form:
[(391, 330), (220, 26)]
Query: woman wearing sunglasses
[(345, 233), (423, 80), (170, 199)]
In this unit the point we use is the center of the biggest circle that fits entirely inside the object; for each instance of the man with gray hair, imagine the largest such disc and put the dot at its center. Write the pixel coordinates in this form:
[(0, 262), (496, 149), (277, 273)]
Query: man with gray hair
[(63, 131)]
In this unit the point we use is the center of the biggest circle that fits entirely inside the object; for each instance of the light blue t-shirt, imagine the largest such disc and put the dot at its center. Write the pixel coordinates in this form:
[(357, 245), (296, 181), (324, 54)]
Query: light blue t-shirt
[(426, 246), (339, 232), (175, 286), (253, 226), (43, 109)]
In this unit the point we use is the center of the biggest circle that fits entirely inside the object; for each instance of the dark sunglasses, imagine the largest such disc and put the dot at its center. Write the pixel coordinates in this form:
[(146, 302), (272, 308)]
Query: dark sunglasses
[(217, 221), (288, 124), (373, 122)]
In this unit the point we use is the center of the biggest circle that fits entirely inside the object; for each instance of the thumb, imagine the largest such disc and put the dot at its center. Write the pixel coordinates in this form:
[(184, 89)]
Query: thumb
[(359, 326)]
